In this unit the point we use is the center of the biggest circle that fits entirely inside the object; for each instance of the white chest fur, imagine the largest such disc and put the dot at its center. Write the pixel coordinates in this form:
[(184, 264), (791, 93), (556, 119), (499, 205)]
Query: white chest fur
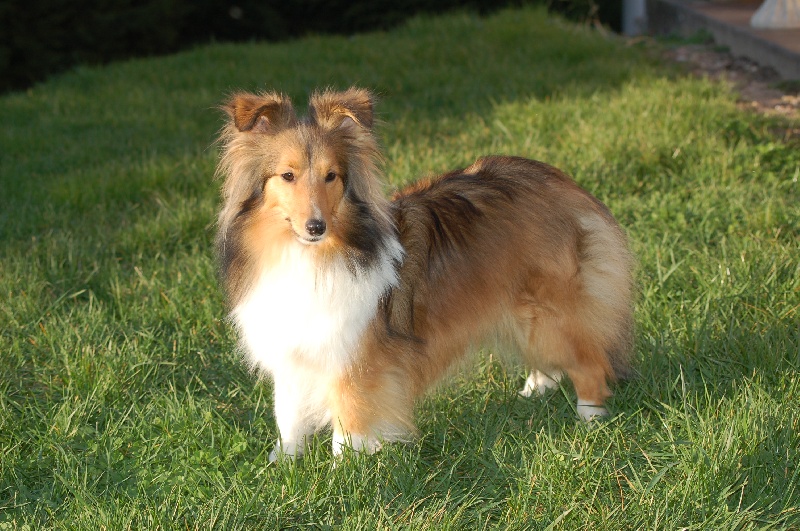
[(300, 313)]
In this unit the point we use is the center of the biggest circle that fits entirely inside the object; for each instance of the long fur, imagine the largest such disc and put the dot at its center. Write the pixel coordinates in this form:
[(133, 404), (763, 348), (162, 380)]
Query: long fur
[(356, 305)]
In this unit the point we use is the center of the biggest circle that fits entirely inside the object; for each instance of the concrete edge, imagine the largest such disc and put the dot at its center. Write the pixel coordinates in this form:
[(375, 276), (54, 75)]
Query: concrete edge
[(670, 16)]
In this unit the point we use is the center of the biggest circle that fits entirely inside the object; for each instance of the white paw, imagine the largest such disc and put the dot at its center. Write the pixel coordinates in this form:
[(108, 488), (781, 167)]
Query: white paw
[(285, 450), (274, 455), (539, 382), (588, 412), (355, 441)]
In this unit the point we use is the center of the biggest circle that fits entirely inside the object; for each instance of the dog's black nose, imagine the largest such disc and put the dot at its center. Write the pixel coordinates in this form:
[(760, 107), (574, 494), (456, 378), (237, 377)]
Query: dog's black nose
[(315, 227)]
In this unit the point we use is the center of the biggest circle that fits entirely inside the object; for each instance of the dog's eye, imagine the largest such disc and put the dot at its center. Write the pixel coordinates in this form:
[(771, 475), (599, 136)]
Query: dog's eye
[(330, 177), (288, 176)]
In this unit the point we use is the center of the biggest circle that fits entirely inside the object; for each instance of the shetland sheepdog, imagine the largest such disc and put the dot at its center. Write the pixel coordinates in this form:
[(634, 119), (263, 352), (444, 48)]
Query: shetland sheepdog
[(355, 304)]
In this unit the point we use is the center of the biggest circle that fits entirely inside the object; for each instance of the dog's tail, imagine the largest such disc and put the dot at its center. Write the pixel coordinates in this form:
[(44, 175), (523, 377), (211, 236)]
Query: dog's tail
[(607, 268)]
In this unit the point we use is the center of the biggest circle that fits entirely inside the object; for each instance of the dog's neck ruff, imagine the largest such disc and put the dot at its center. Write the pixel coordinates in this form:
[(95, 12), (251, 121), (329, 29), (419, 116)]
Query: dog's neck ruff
[(301, 312)]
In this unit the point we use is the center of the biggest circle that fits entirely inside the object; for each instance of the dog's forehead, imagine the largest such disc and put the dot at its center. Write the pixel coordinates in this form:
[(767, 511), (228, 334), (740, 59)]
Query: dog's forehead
[(307, 145)]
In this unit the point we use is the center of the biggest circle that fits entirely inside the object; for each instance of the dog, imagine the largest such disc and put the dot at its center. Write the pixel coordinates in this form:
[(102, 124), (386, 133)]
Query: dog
[(355, 304)]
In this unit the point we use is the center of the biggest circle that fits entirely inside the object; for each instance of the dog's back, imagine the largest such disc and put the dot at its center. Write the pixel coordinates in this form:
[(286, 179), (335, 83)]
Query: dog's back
[(515, 244)]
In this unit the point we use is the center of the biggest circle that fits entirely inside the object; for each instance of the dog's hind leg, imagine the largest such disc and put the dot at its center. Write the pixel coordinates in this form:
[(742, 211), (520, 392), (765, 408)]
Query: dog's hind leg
[(592, 390), (588, 368), (540, 382), (554, 343), (530, 344)]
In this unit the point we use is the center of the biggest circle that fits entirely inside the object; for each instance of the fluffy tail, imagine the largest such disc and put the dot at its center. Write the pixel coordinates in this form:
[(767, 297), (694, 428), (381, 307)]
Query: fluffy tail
[(607, 273)]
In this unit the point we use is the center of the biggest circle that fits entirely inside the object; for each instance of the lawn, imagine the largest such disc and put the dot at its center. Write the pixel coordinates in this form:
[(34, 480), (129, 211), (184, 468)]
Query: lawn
[(123, 401)]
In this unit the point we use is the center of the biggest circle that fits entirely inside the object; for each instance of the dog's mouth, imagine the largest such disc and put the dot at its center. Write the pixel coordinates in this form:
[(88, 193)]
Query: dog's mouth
[(308, 241)]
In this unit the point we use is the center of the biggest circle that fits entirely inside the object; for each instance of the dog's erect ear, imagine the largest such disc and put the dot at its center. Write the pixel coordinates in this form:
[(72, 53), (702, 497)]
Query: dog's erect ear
[(262, 113), (350, 108)]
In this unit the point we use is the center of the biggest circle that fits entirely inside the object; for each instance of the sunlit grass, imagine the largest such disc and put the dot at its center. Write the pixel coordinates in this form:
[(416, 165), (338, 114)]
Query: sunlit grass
[(123, 403)]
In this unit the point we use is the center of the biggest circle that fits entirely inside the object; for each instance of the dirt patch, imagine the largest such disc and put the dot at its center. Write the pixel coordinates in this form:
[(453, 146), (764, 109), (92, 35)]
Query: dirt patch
[(760, 88)]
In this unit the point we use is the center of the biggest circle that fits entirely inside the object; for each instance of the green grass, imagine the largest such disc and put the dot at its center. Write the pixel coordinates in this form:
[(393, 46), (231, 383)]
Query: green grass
[(123, 403)]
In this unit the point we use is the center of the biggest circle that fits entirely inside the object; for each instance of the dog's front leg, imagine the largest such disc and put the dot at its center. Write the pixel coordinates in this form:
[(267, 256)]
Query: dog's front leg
[(298, 413)]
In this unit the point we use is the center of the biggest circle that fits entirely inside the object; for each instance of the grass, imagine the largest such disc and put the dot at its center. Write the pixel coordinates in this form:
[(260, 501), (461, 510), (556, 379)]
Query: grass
[(123, 403)]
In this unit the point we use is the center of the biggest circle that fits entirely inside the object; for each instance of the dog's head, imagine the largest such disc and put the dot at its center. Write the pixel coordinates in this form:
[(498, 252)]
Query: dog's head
[(299, 170)]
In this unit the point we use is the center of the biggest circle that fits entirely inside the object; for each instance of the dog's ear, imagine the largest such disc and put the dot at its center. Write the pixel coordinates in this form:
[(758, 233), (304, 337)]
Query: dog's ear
[(262, 113), (337, 110)]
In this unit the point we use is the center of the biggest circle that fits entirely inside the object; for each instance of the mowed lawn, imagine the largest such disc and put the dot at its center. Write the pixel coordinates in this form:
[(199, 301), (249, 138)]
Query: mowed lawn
[(123, 401)]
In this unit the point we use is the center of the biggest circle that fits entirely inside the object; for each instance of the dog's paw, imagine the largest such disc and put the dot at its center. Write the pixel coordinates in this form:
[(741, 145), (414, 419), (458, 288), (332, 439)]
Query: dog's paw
[(356, 442), (590, 412), (284, 450), (274, 455), (539, 383)]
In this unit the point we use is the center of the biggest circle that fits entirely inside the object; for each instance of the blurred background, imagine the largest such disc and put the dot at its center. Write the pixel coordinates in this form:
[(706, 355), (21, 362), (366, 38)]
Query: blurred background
[(39, 38)]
